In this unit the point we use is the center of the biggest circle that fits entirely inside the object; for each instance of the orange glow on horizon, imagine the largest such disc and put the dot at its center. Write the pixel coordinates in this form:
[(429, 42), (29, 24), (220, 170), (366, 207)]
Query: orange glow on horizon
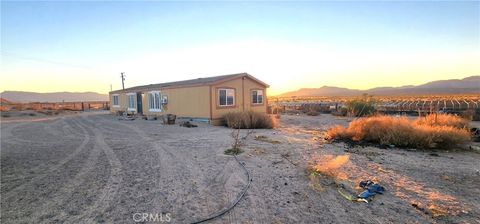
[(304, 66)]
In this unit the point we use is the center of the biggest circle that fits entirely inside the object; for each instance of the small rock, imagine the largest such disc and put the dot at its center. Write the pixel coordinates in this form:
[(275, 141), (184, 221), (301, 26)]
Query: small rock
[(73, 212), (475, 148)]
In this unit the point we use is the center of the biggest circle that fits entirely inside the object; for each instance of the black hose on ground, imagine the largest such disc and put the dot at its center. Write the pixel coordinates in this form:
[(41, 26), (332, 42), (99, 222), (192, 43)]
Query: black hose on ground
[(234, 203)]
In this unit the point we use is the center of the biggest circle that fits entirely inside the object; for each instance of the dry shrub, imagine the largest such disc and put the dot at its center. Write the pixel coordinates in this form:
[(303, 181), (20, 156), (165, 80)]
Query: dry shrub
[(339, 132), (443, 120), (313, 113), (402, 132), (248, 120)]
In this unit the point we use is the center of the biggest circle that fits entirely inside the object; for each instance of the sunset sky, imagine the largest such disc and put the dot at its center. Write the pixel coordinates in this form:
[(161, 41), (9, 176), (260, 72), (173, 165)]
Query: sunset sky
[(83, 46)]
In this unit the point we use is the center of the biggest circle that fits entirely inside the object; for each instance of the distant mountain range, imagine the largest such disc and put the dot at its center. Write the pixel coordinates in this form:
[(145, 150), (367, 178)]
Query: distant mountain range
[(26, 97), (469, 85)]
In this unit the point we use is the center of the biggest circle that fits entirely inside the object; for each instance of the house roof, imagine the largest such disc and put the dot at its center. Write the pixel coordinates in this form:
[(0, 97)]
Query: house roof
[(190, 82)]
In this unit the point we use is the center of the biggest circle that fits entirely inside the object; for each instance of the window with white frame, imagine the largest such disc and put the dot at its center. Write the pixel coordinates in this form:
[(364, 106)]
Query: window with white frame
[(132, 101), (154, 101), (115, 100), (257, 96), (226, 97)]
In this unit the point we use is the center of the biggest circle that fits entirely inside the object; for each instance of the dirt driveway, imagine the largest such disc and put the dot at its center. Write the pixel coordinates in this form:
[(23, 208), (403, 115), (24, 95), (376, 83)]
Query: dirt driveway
[(95, 168)]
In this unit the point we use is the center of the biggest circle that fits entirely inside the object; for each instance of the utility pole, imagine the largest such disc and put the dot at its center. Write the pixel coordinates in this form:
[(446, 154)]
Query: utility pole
[(123, 79)]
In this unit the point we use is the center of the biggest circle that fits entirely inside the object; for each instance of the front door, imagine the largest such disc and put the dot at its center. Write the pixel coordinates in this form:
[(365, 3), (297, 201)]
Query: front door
[(139, 103)]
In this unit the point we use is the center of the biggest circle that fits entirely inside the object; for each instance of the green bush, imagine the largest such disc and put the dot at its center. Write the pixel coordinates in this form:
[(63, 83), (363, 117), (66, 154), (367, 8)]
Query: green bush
[(361, 107)]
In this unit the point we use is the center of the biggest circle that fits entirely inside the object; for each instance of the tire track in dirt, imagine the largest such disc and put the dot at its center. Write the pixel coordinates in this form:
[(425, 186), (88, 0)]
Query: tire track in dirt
[(108, 193), (190, 200), (58, 200), (218, 194), (24, 175), (16, 139), (219, 189), (7, 134), (217, 182), (144, 137), (258, 215), (186, 202), (229, 196), (175, 175), (152, 165), (57, 128), (162, 162), (224, 186), (15, 191)]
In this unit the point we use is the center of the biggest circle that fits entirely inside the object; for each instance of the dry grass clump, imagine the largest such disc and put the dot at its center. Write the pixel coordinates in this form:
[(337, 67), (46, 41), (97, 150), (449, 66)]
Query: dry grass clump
[(443, 120), (248, 120), (445, 132), (264, 138), (313, 113)]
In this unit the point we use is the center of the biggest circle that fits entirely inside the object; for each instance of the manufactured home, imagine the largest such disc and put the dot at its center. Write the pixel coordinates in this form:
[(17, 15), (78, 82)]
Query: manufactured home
[(204, 99)]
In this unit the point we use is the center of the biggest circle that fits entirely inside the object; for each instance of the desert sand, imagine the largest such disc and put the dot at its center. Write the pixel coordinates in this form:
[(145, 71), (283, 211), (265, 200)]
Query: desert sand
[(92, 167)]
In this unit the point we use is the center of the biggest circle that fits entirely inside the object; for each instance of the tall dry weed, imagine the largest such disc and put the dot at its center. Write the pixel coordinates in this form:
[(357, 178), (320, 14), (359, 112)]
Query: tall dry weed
[(444, 132), (443, 120)]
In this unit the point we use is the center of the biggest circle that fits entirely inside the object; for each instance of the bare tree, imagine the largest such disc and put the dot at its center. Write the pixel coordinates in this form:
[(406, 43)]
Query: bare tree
[(238, 140)]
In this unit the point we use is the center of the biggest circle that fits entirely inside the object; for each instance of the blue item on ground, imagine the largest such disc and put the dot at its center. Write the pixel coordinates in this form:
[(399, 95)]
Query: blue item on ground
[(371, 189)]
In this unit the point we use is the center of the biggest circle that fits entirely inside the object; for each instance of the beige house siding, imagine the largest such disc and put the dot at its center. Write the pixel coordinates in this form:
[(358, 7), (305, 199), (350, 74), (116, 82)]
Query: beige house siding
[(121, 101), (183, 102), (251, 85), (243, 100), (219, 111), (201, 101)]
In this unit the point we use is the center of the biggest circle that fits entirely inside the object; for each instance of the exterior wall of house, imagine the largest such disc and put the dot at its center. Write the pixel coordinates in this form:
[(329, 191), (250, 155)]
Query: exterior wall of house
[(243, 98), (201, 101), (184, 102), (122, 101), (251, 85)]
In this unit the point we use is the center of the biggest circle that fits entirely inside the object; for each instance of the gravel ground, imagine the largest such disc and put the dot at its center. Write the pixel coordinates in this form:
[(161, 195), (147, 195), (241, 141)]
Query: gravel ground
[(94, 168)]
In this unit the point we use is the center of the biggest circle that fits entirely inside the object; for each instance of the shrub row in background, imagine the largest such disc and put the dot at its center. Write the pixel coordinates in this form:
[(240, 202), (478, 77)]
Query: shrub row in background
[(432, 131)]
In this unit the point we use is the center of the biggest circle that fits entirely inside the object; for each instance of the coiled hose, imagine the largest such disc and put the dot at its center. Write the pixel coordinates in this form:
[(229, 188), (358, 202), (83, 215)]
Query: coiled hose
[(234, 203)]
